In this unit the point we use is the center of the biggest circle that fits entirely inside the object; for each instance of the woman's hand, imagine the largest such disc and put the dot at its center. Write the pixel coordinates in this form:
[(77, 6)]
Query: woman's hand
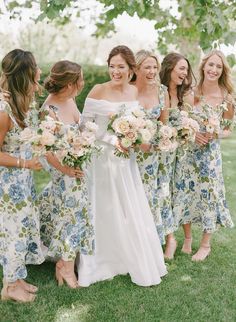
[(32, 164), (201, 139), (71, 172), (145, 147), (120, 147)]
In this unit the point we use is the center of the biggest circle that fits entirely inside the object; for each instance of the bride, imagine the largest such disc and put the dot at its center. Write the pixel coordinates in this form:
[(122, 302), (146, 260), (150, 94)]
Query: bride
[(126, 240)]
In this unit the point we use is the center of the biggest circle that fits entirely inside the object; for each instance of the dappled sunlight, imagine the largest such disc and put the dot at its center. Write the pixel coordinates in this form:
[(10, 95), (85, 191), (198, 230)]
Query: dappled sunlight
[(75, 313)]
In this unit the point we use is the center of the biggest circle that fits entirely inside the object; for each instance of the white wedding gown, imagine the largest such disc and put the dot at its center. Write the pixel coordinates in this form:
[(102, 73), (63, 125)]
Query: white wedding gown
[(126, 239)]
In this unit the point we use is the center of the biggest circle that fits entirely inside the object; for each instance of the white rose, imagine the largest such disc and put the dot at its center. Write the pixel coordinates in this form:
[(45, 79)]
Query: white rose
[(146, 135), (47, 138), (121, 126), (27, 135), (165, 145), (138, 111), (91, 126), (166, 131), (126, 143)]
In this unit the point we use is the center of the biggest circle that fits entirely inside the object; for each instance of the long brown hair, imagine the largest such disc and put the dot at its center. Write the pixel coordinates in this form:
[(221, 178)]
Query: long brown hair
[(18, 79), (225, 81), (61, 74), (168, 64)]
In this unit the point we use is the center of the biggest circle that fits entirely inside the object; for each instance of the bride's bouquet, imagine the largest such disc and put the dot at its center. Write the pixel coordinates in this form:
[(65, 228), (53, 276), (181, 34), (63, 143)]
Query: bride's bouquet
[(46, 135), (81, 145), (132, 127)]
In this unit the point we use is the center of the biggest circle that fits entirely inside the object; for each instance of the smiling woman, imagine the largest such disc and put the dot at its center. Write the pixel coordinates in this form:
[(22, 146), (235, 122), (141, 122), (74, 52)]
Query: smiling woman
[(125, 235)]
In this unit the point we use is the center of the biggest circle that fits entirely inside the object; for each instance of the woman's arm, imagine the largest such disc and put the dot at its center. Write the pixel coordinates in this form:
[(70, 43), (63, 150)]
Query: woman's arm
[(7, 160)]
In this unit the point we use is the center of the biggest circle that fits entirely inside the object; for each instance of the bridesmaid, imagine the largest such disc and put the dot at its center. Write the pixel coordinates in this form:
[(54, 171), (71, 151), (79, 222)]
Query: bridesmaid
[(19, 235), (154, 98), (176, 74), (66, 227), (199, 195)]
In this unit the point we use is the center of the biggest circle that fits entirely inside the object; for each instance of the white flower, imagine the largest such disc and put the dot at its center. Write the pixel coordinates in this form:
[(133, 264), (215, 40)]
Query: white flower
[(131, 135), (146, 135), (126, 143), (91, 126), (121, 125), (138, 112), (165, 145), (48, 124), (166, 131), (47, 138), (27, 135)]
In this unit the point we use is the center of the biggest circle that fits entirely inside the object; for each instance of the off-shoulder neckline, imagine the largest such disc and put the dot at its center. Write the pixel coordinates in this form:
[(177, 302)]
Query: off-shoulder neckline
[(115, 102)]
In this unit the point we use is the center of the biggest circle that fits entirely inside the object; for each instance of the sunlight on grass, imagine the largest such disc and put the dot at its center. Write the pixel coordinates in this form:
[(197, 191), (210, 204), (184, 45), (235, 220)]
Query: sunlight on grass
[(76, 313)]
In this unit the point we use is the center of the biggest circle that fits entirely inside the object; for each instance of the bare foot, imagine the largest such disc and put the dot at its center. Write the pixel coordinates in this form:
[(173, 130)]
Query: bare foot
[(187, 246), (171, 246), (28, 287), (201, 254)]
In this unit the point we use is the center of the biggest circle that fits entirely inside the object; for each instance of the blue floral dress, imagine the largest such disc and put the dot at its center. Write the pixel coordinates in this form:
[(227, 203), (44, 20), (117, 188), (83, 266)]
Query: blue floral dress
[(19, 230), (199, 192), (66, 218), (155, 170)]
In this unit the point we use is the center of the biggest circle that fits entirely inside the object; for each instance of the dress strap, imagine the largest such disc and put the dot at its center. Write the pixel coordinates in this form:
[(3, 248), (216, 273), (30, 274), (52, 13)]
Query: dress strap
[(5, 107)]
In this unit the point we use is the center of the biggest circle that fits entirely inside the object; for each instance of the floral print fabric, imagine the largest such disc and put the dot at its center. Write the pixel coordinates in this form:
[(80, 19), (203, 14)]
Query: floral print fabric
[(155, 170), (199, 192), (66, 218), (19, 231)]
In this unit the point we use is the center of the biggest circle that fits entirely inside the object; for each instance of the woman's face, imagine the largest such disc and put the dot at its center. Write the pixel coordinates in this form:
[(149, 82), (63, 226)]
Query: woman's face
[(147, 71), (77, 87), (179, 72), (37, 79), (119, 70), (213, 68)]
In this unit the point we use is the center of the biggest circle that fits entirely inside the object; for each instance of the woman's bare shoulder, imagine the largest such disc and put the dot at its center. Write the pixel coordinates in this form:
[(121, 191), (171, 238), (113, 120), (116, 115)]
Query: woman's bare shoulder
[(97, 92)]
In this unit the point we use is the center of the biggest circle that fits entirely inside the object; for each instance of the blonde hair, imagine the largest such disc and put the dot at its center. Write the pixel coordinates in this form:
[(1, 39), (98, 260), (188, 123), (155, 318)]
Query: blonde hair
[(140, 57), (18, 79), (225, 81)]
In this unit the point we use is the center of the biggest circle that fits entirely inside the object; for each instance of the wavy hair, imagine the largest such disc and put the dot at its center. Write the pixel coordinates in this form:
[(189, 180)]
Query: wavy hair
[(225, 81), (168, 64), (61, 74), (18, 80)]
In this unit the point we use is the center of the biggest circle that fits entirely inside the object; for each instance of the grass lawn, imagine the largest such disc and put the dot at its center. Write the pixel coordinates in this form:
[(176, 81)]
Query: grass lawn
[(196, 292)]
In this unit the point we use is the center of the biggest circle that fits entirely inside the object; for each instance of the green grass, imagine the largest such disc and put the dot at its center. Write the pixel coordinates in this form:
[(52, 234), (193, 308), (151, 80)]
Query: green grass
[(196, 292)]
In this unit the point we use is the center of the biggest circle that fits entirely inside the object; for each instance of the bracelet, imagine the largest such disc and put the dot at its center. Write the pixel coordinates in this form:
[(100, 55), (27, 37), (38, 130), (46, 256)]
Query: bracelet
[(18, 162), (24, 163)]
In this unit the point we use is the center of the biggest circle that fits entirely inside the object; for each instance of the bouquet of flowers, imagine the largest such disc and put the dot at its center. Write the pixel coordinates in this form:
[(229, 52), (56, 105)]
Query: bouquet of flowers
[(46, 136), (81, 145), (165, 138), (186, 127), (132, 127)]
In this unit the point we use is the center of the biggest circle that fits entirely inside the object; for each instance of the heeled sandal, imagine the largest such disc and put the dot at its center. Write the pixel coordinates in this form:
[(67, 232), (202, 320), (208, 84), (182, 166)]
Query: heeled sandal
[(15, 292), (63, 276), (202, 253), (187, 246)]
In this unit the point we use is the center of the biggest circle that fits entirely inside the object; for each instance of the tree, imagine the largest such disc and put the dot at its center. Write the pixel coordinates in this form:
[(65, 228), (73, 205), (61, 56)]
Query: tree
[(200, 24)]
